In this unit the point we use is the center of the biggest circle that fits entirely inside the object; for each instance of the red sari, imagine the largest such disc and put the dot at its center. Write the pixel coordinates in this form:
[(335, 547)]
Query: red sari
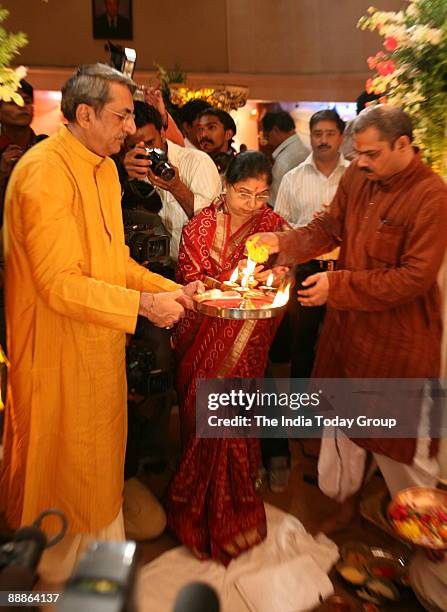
[(211, 499)]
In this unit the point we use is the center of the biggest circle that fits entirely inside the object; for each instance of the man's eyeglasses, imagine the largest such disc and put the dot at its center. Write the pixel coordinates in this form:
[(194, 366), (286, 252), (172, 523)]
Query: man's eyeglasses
[(125, 117), (262, 198)]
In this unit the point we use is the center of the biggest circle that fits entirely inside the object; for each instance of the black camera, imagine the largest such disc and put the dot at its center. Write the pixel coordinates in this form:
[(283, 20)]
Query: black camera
[(159, 163), (142, 377), (146, 237), (144, 244), (139, 364)]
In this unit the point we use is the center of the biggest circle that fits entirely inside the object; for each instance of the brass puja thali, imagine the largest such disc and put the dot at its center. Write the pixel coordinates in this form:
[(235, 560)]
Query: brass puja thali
[(233, 305), (242, 297)]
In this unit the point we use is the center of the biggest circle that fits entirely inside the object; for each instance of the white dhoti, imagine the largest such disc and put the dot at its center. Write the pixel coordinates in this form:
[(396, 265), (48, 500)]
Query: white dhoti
[(57, 563), (341, 463)]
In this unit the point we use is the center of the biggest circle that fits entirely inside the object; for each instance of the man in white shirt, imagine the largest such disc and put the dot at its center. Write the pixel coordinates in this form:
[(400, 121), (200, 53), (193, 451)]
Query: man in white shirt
[(196, 182), (303, 193), (278, 128)]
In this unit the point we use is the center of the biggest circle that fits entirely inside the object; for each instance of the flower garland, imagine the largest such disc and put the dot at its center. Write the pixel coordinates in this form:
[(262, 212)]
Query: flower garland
[(411, 72)]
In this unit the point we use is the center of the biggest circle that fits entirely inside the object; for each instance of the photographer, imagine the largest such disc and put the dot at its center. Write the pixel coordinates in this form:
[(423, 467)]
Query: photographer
[(195, 182)]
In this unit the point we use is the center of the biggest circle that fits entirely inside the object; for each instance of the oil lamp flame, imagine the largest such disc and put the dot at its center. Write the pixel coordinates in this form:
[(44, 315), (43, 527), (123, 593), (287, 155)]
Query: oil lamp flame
[(235, 275), (270, 278), (247, 271), (282, 297)]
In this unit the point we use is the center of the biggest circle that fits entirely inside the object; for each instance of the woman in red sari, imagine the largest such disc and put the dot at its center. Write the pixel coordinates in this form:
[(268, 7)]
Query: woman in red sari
[(212, 504)]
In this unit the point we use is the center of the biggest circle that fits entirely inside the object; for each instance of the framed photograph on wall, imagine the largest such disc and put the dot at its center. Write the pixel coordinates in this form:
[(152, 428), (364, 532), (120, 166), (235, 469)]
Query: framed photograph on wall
[(112, 19)]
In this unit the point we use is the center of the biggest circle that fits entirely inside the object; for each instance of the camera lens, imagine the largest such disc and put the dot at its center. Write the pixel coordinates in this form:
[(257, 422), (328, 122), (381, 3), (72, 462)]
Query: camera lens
[(159, 164), (165, 172)]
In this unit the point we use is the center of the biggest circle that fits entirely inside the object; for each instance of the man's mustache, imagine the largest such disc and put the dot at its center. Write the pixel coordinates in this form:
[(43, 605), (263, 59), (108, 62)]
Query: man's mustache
[(203, 140), (365, 169), (323, 147)]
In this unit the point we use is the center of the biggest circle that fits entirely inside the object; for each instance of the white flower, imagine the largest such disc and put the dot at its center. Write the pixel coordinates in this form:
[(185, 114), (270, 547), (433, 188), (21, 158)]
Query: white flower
[(412, 10), (21, 72), (422, 34)]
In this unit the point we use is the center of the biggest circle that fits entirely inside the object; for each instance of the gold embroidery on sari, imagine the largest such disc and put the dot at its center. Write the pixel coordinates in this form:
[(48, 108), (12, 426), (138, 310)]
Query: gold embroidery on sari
[(217, 248), (237, 348)]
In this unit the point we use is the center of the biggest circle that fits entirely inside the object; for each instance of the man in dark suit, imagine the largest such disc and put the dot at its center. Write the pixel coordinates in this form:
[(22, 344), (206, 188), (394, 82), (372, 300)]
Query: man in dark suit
[(111, 24)]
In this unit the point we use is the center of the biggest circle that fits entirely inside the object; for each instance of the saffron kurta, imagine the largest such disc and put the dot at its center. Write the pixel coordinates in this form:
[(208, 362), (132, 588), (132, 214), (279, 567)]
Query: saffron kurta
[(72, 292), (384, 316)]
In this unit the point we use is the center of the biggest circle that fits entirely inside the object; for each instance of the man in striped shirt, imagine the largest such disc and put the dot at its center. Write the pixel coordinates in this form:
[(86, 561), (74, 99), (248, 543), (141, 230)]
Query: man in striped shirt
[(302, 195)]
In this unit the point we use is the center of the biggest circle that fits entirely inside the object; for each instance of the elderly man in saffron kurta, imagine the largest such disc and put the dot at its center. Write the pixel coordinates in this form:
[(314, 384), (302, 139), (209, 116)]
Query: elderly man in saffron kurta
[(72, 293), (389, 216)]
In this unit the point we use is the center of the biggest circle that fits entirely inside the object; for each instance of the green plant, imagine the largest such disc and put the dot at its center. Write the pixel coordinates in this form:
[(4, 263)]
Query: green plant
[(10, 45), (412, 71)]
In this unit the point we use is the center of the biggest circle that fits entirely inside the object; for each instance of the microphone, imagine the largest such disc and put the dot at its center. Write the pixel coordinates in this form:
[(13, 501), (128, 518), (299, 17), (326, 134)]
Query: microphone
[(197, 597)]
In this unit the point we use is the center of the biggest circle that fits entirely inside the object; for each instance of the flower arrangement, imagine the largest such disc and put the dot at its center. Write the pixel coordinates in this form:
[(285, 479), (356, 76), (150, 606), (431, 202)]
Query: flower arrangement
[(10, 44), (411, 71)]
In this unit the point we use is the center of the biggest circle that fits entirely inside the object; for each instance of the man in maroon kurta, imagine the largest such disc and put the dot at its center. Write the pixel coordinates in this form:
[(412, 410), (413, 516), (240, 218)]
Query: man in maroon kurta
[(389, 217)]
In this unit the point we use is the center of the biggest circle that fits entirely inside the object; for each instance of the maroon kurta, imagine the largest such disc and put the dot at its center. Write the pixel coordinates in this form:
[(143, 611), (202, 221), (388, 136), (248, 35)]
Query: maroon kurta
[(384, 316)]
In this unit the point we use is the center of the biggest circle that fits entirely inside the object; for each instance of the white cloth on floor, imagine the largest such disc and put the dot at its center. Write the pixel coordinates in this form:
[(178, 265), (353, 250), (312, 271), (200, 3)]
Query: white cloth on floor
[(341, 465), (428, 580), (294, 586), (160, 580)]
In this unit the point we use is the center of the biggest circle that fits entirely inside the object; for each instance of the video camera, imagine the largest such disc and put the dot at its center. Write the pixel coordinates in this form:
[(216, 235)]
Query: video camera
[(143, 378), (146, 237), (148, 355)]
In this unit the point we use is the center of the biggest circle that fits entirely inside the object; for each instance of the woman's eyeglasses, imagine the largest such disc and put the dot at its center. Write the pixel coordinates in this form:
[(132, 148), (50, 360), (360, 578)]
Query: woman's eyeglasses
[(247, 197)]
